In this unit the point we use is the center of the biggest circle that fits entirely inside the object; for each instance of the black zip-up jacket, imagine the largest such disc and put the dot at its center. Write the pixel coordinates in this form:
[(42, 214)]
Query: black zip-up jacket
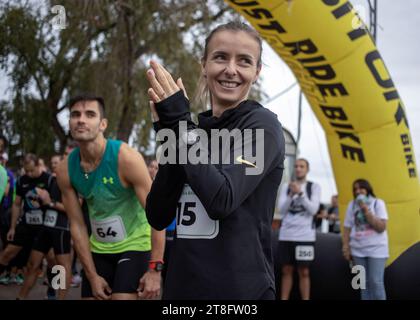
[(222, 248)]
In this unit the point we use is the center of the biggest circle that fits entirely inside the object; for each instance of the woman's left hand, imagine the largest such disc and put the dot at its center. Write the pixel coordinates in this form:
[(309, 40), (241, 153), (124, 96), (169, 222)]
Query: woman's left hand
[(161, 82)]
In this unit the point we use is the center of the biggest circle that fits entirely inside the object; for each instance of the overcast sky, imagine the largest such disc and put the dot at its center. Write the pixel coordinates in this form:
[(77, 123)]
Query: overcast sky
[(398, 43)]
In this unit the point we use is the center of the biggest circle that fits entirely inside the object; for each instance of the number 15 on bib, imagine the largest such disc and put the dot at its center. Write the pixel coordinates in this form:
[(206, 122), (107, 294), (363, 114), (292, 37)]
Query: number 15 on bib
[(192, 220)]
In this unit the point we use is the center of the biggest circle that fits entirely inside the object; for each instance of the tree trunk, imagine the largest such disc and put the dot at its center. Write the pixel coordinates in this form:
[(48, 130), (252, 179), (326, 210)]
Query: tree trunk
[(126, 123)]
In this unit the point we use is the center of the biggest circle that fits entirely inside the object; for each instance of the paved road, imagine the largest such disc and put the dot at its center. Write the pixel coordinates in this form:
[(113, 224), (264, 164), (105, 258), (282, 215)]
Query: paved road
[(39, 292)]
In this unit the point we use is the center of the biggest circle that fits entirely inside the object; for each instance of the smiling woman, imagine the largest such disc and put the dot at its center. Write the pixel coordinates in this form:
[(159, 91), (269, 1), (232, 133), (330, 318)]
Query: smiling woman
[(231, 64), (222, 248)]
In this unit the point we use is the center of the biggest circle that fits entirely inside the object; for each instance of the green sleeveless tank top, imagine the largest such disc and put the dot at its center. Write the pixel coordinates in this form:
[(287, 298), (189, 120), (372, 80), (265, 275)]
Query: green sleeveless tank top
[(118, 220)]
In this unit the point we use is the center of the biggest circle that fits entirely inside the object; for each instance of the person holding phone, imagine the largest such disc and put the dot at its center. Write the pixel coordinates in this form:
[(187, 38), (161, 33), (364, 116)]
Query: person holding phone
[(365, 240)]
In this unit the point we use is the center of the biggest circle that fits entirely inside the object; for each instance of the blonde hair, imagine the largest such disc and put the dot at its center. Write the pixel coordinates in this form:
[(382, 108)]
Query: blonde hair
[(202, 96)]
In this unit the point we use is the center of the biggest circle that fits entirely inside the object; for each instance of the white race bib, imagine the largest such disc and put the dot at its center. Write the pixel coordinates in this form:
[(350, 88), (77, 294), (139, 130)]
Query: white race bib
[(305, 253), (109, 230), (34, 217), (50, 218), (192, 220)]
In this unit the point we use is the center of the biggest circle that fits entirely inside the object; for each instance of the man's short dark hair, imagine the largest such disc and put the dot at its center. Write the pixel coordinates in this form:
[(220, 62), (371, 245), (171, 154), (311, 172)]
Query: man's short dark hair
[(89, 97), (31, 157), (57, 155)]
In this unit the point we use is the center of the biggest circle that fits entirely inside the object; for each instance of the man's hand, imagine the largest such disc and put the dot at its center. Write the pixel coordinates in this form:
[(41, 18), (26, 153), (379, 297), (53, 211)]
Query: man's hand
[(100, 288), (322, 215), (11, 234), (43, 195), (149, 285), (333, 217), (294, 187)]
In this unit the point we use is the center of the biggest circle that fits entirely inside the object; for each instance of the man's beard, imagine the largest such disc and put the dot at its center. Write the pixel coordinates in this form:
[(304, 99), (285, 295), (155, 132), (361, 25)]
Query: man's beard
[(90, 136), (301, 178)]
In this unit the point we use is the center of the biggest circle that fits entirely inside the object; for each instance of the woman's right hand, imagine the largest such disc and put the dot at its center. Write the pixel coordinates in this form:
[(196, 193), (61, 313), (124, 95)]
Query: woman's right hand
[(162, 85)]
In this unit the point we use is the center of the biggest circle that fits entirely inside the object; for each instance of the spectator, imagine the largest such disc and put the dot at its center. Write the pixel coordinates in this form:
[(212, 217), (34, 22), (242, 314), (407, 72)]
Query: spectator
[(365, 240), (42, 165), (333, 217), (321, 219), (298, 203)]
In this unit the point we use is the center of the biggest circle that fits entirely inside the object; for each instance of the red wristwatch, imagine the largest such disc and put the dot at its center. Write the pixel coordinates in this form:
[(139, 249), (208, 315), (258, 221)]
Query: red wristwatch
[(156, 265)]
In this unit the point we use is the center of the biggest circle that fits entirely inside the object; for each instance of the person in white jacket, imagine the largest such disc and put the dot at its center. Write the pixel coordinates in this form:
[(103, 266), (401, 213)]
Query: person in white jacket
[(298, 203)]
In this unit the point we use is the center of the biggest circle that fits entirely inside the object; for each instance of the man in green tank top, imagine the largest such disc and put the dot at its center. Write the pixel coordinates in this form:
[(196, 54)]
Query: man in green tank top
[(122, 259)]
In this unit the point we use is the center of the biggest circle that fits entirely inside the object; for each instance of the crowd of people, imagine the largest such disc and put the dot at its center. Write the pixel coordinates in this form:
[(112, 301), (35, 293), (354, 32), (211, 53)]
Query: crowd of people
[(185, 230)]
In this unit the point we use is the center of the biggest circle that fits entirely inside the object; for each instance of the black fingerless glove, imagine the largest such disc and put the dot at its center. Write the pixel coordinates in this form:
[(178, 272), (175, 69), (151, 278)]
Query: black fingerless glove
[(172, 110)]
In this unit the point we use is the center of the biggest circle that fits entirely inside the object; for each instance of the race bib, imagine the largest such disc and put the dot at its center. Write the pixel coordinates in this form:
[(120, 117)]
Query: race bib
[(50, 218), (34, 217), (109, 230), (305, 253), (192, 220)]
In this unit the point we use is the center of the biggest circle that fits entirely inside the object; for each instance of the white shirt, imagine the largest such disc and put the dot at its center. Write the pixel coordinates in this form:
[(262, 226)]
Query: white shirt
[(364, 240), (297, 214)]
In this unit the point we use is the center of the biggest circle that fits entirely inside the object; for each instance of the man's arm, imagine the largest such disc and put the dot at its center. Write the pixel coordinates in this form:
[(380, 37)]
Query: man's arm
[(16, 207), (133, 171), (312, 205), (77, 225), (7, 189), (16, 210), (78, 230)]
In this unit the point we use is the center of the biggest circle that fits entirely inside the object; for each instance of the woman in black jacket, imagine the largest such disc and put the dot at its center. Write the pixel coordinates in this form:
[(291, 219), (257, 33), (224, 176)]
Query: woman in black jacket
[(223, 204)]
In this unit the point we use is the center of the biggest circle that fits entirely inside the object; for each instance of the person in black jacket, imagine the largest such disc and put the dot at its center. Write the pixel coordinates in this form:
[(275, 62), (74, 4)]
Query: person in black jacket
[(223, 204)]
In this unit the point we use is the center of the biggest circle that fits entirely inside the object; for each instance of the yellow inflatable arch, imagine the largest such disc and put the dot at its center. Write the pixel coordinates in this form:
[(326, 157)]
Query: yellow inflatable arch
[(354, 98)]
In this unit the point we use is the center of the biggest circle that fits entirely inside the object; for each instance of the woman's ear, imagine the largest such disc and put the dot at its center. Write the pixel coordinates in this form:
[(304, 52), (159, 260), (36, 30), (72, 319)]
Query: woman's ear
[(257, 74), (203, 68)]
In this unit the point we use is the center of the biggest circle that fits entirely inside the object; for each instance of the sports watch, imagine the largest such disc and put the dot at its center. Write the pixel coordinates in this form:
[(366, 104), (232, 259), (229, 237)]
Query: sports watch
[(156, 265)]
